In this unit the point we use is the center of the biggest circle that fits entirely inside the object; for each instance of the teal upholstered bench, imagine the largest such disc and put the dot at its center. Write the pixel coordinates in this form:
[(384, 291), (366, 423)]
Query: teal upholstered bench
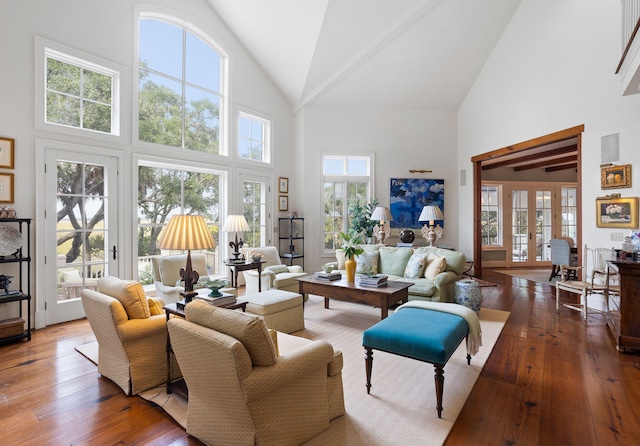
[(426, 335)]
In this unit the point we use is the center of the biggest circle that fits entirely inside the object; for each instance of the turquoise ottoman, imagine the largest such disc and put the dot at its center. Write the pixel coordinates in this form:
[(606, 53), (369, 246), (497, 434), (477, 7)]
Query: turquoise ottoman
[(426, 335)]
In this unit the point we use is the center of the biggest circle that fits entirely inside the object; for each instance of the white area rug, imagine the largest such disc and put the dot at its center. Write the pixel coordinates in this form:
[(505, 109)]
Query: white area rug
[(535, 275), (401, 409)]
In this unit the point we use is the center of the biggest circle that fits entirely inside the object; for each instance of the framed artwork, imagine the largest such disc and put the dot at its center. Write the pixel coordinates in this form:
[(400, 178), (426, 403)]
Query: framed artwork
[(6, 188), (283, 185), (283, 203), (615, 177), (407, 198), (617, 212), (7, 152)]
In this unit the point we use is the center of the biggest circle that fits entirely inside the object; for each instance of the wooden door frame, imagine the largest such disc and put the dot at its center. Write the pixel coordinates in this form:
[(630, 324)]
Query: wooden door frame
[(573, 132)]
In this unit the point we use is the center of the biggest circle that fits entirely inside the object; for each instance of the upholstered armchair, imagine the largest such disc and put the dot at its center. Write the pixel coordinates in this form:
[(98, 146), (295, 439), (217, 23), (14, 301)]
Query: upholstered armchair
[(246, 389), (131, 341), (166, 272), (274, 273)]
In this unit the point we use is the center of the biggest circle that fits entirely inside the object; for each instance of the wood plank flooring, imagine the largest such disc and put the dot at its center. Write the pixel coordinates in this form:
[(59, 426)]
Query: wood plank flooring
[(550, 380)]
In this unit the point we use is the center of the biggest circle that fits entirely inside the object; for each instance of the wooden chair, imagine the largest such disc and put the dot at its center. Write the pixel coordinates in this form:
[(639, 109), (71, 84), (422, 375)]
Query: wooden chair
[(597, 278)]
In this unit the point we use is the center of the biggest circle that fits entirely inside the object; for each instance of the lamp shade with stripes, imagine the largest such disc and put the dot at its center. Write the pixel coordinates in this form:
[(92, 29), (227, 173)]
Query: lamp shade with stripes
[(186, 232)]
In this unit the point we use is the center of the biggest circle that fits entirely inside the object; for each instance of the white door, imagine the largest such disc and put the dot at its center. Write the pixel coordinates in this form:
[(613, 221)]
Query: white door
[(80, 228), (531, 225)]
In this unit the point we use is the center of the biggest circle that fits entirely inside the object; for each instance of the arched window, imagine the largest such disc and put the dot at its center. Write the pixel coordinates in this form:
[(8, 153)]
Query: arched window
[(181, 99)]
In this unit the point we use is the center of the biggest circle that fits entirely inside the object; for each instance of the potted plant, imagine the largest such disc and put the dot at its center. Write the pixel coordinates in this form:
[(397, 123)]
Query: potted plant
[(351, 248), (361, 222)]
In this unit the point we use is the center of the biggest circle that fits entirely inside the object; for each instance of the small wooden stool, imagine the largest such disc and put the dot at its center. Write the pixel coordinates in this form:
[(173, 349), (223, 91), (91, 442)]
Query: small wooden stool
[(417, 333)]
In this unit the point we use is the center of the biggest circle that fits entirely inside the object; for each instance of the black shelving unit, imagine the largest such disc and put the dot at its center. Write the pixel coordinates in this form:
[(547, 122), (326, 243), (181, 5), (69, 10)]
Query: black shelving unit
[(23, 283), (291, 240)]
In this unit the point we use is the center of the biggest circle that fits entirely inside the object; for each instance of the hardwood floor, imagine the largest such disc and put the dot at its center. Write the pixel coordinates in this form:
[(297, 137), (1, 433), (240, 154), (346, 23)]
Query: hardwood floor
[(550, 380)]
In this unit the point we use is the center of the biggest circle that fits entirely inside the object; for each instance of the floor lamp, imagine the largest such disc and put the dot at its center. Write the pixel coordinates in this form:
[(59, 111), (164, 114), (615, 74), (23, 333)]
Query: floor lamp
[(430, 214), (187, 232)]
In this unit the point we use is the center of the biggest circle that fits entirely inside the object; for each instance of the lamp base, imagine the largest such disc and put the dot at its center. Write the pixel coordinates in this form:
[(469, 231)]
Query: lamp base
[(188, 295)]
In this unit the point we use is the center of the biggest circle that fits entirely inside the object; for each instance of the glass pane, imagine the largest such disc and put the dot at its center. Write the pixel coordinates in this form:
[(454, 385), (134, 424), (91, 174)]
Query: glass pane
[(244, 148), (244, 127), (202, 64), (94, 180), (257, 130), (62, 109), (63, 77), (94, 210), (96, 117), (520, 226), (95, 244), (202, 120), (160, 110), (97, 87), (161, 47)]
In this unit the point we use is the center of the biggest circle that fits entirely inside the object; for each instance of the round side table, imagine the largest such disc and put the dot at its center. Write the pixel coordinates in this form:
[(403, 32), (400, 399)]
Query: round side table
[(467, 292)]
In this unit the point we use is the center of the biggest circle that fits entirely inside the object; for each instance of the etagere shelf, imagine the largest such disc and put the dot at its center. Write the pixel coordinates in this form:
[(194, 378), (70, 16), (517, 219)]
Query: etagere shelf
[(291, 240)]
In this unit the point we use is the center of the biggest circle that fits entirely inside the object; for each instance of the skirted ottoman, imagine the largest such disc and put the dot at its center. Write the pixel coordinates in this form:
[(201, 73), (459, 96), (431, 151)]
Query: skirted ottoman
[(281, 310), (426, 331)]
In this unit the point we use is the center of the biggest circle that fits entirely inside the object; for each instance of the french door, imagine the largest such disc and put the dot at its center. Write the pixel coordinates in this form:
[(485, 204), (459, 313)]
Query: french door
[(532, 222), (80, 230)]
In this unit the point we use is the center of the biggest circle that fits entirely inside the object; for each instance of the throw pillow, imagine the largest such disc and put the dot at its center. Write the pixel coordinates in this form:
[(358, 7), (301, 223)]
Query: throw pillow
[(250, 330), (415, 266), (277, 269), (130, 294), (155, 307), (367, 263), (435, 265), (71, 276)]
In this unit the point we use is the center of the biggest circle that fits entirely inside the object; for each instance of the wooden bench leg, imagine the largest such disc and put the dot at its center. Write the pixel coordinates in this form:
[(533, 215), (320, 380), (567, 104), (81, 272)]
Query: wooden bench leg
[(368, 365), (439, 379)]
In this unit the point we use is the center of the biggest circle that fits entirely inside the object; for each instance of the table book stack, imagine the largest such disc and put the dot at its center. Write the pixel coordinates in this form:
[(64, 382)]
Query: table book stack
[(374, 281), (328, 276)]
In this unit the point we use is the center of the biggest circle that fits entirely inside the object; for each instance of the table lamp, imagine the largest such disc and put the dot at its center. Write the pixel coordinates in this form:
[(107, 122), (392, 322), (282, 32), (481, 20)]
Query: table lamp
[(381, 230), (430, 214), (187, 232), (236, 223)]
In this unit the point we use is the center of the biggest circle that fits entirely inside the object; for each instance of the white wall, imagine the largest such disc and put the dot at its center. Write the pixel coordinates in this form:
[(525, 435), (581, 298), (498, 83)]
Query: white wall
[(553, 69), (106, 30), (400, 139)]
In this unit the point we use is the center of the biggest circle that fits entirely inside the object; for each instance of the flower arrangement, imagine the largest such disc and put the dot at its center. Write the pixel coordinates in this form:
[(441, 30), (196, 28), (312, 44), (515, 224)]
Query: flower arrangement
[(351, 245)]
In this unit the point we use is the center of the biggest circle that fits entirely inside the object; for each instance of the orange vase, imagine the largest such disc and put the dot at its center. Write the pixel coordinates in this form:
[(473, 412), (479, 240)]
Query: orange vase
[(350, 266)]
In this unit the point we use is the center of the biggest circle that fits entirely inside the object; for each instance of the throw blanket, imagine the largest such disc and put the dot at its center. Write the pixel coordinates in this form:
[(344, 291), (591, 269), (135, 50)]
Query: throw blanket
[(474, 339)]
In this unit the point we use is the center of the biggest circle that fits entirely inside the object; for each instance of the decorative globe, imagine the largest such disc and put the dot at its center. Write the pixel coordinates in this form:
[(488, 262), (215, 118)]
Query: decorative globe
[(407, 236), (215, 285)]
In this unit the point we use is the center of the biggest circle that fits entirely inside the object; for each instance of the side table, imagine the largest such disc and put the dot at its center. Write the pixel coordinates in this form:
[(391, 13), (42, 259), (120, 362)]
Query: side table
[(236, 267), (172, 309)]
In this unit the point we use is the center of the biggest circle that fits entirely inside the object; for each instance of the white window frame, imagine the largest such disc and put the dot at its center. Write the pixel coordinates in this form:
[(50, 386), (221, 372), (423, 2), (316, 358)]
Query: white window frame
[(44, 49), (149, 13), (267, 122), (500, 206)]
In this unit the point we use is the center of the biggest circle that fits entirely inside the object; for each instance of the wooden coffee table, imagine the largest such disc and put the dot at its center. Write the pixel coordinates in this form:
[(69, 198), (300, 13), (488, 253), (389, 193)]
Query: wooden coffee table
[(384, 297)]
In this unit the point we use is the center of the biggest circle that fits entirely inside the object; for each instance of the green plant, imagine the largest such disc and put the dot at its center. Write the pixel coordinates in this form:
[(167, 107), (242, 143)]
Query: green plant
[(361, 222), (351, 245)]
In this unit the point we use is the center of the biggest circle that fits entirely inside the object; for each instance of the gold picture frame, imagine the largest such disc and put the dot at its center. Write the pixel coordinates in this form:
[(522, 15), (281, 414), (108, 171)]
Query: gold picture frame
[(6, 187), (621, 213), (283, 203), (283, 185), (7, 153), (615, 177)]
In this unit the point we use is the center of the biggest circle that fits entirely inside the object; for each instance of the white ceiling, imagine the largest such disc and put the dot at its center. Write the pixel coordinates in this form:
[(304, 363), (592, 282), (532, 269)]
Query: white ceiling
[(409, 53)]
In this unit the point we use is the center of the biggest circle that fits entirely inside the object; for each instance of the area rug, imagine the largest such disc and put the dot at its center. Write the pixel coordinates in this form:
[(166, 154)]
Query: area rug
[(535, 275), (401, 407), (89, 350)]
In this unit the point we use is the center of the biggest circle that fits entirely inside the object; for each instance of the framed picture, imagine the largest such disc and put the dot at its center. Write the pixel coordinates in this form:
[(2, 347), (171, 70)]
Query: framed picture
[(283, 185), (6, 152), (6, 188), (615, 177), (617, 212), (407, 198), (283, 203)]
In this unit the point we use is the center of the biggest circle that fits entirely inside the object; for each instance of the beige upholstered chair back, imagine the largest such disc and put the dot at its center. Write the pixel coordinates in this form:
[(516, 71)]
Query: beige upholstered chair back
[(269, 253), (167, 269)]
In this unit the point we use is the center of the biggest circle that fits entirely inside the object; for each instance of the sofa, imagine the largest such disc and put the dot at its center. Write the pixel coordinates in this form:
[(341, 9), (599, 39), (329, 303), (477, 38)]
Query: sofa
[(432, 271), (249, 385), (131, 331)]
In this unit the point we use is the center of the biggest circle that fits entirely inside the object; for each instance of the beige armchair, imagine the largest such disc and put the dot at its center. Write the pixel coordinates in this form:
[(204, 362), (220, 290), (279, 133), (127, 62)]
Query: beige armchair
[(131, 342), (166, 272), (242, 391), (283, 278)]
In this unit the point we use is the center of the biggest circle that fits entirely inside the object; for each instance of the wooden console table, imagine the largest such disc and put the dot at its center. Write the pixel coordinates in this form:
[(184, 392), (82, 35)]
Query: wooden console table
[(624, 322)]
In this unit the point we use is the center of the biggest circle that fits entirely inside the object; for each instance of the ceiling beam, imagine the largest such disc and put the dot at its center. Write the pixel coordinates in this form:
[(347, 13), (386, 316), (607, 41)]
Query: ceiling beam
[(562, 167), (546, 163), (533, 157)]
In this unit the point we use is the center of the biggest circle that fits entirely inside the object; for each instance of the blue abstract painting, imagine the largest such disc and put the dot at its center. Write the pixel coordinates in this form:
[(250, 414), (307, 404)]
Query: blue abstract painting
[(409, 196)]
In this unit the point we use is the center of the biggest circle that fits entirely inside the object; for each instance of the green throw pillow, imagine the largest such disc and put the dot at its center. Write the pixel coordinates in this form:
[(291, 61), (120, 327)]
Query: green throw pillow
[(277, 269)]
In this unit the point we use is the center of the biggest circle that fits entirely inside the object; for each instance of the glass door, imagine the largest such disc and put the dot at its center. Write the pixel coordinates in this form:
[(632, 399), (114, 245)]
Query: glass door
[(531, 226)]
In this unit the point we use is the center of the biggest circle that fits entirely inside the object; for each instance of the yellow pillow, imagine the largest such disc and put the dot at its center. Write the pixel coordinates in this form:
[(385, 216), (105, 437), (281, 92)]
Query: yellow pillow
[(155, 307), (129, 293), (435, 265)]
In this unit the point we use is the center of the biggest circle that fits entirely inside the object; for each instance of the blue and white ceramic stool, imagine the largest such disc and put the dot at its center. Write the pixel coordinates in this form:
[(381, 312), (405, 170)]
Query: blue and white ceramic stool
[(467, 292)]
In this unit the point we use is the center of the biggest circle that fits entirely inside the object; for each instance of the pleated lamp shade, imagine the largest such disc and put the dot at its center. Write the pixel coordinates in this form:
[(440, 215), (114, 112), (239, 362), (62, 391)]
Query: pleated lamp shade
[(431, 213), (186, 232)]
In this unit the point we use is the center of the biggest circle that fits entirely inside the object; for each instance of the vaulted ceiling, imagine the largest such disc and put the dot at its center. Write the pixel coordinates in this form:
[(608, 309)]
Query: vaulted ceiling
[(409, 53)]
